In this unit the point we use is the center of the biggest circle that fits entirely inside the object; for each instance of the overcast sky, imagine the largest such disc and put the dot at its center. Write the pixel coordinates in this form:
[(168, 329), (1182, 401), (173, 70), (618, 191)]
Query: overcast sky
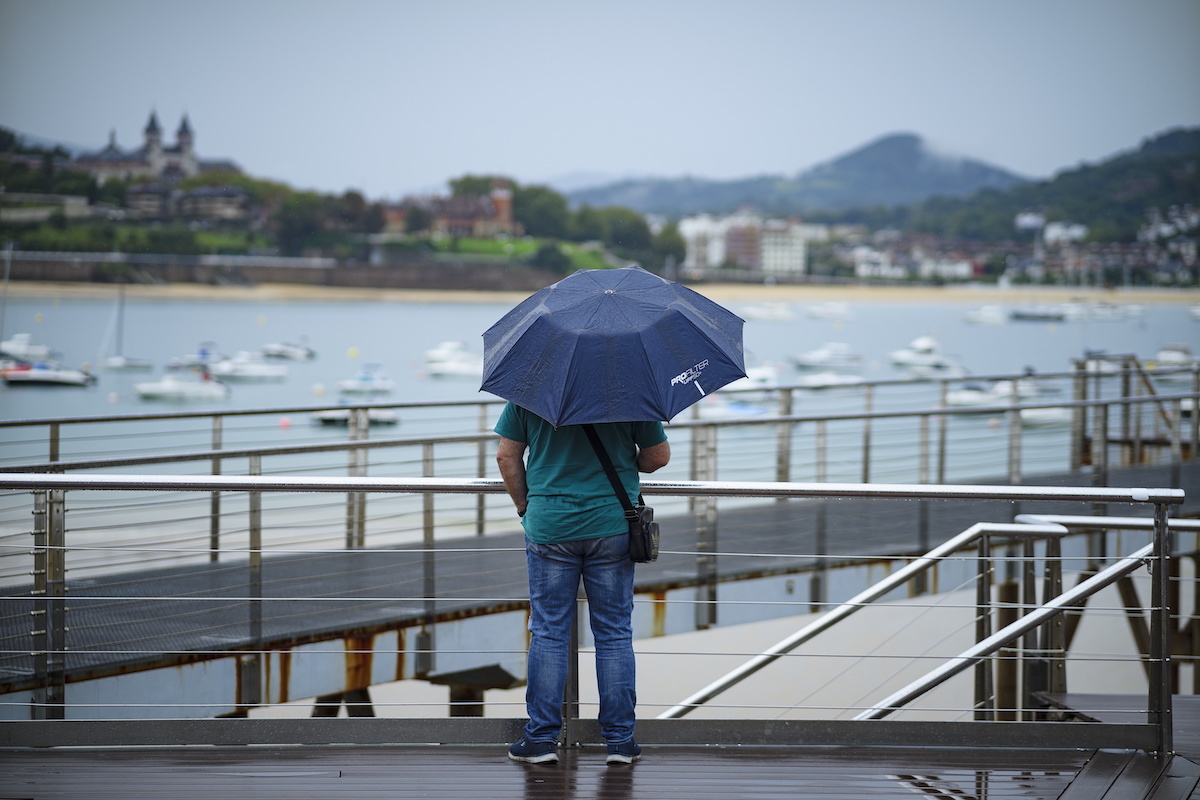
[(396, 97)]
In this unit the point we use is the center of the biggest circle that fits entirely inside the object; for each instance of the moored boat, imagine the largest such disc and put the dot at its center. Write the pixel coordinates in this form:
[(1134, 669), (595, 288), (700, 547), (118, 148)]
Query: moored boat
[(46, 374), (369, 380), (171, 387), (831, 355), (247, 366), (290, 351), (21, 346), (341, 416)]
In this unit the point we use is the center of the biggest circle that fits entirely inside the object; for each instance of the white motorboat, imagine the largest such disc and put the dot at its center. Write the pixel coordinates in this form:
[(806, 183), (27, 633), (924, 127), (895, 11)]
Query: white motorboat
[(290, 351), (831, 310), (1194, 312), (341, 416), (46, 374), (938, 368), (453, 359), (369, 380), (21, 346), (828, 380), (247, 366), (986, 315), (171, 387), (1174, 362), (924, 351), (831, 355), (999, 393), (973, 396)]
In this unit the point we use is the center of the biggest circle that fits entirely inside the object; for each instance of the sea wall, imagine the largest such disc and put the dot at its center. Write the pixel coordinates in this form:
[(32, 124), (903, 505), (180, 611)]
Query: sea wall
[(250, 271)]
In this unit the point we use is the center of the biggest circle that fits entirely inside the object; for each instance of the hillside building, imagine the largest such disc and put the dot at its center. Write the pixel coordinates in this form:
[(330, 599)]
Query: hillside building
[(776, 248), (154, 160), (487, 216)]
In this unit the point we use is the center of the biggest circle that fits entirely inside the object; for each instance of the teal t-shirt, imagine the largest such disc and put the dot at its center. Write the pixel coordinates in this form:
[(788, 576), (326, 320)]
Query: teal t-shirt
[(569, 494)]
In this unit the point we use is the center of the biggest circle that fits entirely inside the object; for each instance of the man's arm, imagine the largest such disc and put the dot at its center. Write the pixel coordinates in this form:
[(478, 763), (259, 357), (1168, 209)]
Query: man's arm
[(510, 457), (654, 458)]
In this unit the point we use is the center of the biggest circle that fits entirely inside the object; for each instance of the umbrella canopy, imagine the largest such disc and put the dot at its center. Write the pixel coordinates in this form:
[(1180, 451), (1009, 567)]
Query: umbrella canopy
[(612, 345)]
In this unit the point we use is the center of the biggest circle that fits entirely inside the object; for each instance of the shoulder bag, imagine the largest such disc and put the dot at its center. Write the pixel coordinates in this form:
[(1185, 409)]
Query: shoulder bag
[(643, 530)]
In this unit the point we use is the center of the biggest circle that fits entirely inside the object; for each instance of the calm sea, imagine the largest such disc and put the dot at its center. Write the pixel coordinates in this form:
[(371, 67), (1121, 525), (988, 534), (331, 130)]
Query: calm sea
[(395, 335)]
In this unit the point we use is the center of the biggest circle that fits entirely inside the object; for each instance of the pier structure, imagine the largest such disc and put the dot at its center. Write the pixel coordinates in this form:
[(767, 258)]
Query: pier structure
[(275, 592)]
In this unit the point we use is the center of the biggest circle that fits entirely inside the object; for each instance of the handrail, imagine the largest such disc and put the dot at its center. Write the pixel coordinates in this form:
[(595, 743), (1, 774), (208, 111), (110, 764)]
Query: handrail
[(844, 610), (1160, 498), (1072, 597), (259, 483), (1085, 589)]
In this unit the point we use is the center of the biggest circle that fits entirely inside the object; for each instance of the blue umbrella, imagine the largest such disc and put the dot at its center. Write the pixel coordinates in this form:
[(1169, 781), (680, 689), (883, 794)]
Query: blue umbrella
[(612, 345)]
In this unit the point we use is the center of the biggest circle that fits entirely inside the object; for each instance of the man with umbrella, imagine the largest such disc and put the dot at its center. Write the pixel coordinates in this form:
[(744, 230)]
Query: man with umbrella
[(617, 351)]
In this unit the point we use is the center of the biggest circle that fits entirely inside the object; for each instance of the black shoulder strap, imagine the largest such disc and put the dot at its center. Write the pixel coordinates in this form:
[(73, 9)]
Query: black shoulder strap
[(610, 471)]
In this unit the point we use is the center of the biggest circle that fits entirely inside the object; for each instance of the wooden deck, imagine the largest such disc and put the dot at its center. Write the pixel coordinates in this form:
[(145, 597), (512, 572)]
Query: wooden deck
[(678, 773)]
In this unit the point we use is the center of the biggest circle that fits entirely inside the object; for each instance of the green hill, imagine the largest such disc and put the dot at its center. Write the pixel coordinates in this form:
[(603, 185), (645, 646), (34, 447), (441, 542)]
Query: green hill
[(1112, 198)]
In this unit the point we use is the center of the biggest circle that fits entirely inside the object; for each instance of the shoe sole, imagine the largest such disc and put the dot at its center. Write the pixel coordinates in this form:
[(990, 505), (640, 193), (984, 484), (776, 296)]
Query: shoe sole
[(544, 758), (617, 759)]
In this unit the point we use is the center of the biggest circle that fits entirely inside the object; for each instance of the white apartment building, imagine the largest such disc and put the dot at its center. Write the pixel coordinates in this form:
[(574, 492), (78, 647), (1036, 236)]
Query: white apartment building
[(747, 241)]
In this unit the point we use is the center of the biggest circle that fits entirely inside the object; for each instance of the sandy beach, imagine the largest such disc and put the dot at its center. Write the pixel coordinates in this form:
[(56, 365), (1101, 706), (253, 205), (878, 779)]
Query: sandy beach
[(721, 292)]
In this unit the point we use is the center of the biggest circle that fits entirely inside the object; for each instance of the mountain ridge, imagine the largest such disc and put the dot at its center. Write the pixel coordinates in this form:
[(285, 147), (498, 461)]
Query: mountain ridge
[(894, 169)]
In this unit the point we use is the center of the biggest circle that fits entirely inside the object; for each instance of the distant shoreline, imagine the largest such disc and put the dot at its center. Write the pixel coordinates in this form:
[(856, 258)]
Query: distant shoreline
[(721, 292)]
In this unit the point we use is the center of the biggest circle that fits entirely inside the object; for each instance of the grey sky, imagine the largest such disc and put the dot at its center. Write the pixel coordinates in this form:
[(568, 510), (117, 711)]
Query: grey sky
[(394, 97)]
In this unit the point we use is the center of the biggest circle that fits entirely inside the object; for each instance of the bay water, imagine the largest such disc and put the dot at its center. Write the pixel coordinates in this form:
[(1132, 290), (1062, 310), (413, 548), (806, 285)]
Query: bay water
[(395, 335)]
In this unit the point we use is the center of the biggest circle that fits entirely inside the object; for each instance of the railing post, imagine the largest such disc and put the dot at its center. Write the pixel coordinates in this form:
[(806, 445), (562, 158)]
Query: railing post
[(868, 403), (920, 583), (1007, 657), (1160, 711), (425, 637), (356, 423), (55, 441), (1126, 416), (214, 511), (1055, 637), (1029, 642), (481, 471), (252, 666), (783, 441), (1079, 415), (1014, 452), (1137, 446), (816, 592), (1100, 462), (50, 613), (985, 692), (704, 509), (943, 436)]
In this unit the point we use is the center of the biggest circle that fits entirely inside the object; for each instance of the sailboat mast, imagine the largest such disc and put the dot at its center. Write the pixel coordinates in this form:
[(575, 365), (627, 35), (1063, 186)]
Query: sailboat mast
[(121, 319)]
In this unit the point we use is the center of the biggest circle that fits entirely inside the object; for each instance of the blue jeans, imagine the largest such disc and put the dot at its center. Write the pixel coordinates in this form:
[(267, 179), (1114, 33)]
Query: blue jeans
[(554, 574)]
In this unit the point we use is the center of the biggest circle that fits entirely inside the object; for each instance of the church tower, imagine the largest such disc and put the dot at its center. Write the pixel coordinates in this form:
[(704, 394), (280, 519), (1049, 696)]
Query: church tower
[(153, 133), (155, 159), (184, 137)]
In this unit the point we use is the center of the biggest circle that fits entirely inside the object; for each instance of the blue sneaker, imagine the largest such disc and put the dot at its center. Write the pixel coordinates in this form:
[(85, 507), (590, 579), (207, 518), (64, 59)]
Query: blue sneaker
[(623, 753), (534, 752)]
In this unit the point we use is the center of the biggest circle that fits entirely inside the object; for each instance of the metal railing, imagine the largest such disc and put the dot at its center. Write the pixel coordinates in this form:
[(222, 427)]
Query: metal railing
[(54, 607)]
